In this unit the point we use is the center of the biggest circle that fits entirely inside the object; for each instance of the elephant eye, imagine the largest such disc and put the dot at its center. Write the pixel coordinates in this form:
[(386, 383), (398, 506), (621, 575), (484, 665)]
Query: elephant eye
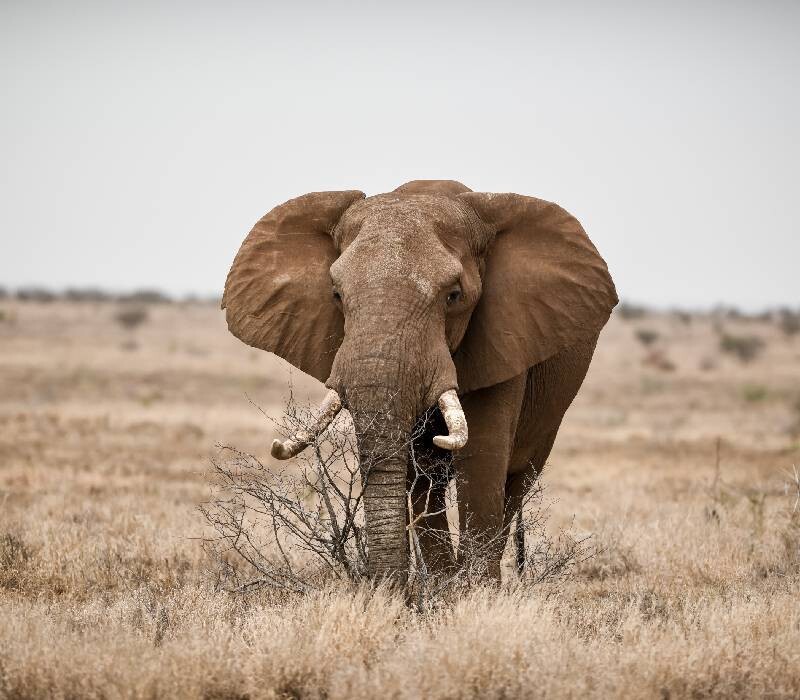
[(453, 297), (336, 295)]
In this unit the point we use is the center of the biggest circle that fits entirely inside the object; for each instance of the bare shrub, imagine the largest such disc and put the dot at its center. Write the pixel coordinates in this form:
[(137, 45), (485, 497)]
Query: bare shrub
[(745, 348), (548, 558), (131, 317), (291, 530), (539, 556), (297, 528)]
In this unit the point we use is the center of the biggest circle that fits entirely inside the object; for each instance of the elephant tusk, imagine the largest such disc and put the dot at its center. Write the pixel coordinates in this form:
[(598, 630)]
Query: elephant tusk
[(456, 421), (294, 444)]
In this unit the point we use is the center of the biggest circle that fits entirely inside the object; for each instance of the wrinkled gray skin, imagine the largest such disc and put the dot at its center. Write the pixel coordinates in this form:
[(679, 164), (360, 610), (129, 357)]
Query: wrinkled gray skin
[(409, 274)]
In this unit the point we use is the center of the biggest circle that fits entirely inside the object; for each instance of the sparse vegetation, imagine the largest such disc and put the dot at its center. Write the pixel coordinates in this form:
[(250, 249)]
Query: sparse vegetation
[(745, 348), (83, 294), (647, 336), (708, 364), (789, 322), (145, 296), (630, 312), (131, 317), (106, 591), (36, 294), (683, 317), (300, 530), (754, 393), (43, 294)]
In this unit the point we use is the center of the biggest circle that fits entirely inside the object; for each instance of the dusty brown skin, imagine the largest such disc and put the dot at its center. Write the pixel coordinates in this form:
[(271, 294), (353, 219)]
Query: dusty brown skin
[(395, 299)]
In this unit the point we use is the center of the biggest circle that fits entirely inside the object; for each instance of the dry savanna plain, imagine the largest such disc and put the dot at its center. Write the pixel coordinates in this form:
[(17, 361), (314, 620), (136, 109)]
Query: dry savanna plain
[(677, 458)]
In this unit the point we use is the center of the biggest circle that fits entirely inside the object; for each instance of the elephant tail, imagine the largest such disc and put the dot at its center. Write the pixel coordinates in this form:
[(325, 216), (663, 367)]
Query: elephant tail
[(519, 542)]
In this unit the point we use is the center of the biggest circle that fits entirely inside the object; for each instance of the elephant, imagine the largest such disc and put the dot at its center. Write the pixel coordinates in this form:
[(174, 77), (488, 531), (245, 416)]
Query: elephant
[(477, 312)]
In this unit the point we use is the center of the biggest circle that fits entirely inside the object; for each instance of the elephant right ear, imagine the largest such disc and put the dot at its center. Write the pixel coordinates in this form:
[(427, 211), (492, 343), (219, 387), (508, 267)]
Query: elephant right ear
[(545, 289), (278, 293)]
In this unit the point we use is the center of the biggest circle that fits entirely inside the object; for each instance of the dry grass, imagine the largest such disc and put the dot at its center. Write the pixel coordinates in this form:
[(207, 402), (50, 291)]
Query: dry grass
[(105, 593)]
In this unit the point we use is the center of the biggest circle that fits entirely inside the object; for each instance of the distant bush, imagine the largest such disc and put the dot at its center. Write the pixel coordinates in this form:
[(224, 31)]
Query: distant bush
[(145, 296), (647, 336), (131, 317), (38, 294), (630, 312), (730, 313), (745, 347), (683, 316), (789, 322), (764, 316), (3, 293), (86, 294)]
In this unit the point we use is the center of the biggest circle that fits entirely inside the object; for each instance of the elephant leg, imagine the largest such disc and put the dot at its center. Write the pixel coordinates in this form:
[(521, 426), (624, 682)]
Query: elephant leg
[(517, 486), (482, 469), (551, 386), (429, 471), (428, 496)]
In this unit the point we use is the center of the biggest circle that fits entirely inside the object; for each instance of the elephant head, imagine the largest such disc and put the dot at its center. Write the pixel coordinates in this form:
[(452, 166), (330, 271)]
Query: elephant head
[(403, 300)]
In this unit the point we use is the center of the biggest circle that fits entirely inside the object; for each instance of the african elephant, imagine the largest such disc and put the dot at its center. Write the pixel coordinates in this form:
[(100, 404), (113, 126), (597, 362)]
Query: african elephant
[(486, 305)]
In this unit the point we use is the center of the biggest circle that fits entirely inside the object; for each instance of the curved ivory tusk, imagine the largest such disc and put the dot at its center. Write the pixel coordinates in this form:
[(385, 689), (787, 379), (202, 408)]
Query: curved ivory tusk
[(294, 444), (456, 421)]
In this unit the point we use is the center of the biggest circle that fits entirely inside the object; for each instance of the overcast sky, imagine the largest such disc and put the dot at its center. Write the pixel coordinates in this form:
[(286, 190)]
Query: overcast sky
[(140, 142)]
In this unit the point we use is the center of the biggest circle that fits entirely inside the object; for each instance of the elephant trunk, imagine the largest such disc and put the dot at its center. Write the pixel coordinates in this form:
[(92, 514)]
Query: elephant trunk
[(386, 388), (383, 458), (387, 384)]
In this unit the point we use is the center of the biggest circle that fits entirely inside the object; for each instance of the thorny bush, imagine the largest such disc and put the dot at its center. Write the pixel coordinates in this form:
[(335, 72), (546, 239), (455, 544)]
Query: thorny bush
[(295, 527)]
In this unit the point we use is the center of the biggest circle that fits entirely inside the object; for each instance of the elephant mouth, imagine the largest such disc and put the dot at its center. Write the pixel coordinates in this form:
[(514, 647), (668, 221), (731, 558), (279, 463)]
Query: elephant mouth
[(449, 404)]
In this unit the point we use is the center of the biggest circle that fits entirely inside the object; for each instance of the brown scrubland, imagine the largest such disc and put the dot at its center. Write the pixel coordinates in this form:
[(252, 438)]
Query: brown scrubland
[(677, 458)]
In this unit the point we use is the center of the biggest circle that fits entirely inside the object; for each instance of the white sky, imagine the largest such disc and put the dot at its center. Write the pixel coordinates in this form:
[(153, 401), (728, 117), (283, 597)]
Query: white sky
[(141, 141)]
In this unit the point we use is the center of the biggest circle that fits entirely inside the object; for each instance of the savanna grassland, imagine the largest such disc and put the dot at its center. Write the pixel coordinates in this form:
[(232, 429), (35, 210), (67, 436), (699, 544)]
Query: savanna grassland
[(677, 457)]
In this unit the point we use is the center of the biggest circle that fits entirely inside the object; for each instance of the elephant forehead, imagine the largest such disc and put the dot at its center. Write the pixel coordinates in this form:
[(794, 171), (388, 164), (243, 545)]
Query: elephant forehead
[(385, 253), (405, 215)]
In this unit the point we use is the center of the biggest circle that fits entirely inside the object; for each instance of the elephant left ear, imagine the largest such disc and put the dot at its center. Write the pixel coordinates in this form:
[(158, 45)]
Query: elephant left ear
[(545, 288), (278, 295)]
